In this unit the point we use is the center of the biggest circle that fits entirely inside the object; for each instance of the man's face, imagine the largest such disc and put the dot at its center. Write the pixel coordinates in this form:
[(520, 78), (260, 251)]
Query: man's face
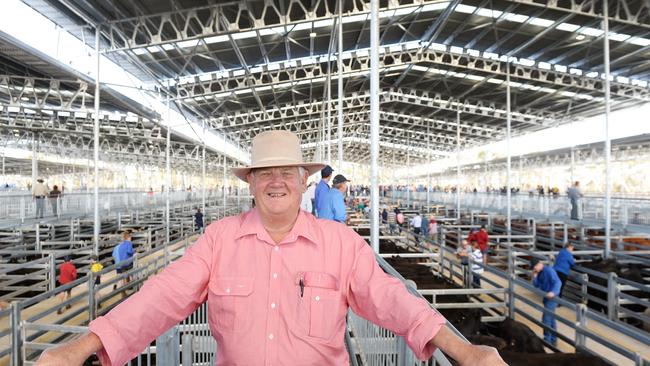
[(277, 191), (538, 267)]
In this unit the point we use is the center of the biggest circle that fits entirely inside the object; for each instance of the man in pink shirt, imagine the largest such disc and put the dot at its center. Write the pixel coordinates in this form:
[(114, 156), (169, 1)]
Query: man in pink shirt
[(278, 283)]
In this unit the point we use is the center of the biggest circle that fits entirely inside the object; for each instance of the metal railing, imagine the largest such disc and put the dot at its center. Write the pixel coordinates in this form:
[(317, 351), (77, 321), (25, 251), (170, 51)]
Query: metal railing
[(20, 207), (625, 211)]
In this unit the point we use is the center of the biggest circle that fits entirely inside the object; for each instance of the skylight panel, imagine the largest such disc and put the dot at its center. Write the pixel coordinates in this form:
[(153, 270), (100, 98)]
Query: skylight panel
[(575, 71), (593, 32), (541, 22), (462, 8), (435, 6), (619, 37), (489, 13), (441, 47), (475, 77), (560, 68), (568, 27), (456, 49), (187, 44), (639, 41), (544, 65), (495, 81), (355, 18), (215, 39), (517, 18), (526, 62)]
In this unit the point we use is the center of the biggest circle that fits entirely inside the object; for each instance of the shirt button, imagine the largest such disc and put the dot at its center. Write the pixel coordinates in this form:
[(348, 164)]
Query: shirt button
[(275, 275), (271, 336), (272, 305), (277, 248), (227, 290), (317, 298)]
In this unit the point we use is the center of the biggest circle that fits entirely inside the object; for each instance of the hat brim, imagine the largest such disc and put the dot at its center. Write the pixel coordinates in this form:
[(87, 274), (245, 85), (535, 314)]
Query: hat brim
[(242, 172)]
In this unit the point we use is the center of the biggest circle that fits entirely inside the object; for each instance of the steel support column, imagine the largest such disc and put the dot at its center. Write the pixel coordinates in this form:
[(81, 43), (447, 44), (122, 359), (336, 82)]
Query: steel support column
[(203, 172), (168, 177), (608, 147), (340, 85), (374, 123), (34, 160), (458, 166), (428, 166), (96, 223)]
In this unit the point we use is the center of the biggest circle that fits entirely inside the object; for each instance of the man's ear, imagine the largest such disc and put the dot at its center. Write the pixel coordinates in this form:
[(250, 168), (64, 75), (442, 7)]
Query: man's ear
[(249, 180)]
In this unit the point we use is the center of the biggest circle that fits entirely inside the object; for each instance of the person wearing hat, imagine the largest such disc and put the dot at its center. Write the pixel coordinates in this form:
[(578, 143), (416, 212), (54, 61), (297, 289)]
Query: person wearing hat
[(40, 192), (545, 278), (334, 204), (277, 281), (322, 189)]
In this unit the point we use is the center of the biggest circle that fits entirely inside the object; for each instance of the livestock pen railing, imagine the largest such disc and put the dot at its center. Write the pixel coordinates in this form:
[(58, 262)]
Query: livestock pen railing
[(582, 324), (625, 211), (21, 207)]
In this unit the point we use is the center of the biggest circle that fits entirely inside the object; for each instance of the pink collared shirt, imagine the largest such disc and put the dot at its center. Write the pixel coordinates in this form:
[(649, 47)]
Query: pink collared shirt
[(269, 304)]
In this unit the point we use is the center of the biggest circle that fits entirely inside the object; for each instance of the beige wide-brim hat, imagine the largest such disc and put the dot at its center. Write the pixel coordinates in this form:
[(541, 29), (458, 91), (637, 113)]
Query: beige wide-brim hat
[(276, 148)]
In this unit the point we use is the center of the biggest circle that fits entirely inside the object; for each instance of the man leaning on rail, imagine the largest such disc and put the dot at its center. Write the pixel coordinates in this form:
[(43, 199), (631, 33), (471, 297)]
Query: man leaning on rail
[(277, 280)]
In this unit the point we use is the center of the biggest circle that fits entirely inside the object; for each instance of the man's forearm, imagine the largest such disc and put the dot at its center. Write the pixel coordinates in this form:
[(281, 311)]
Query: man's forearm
[(451, 344), (87, 344)]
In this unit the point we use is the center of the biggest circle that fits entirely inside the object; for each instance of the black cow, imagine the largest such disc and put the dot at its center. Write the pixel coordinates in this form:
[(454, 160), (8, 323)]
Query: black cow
[(520, 337), (555, 359), (486, 340)]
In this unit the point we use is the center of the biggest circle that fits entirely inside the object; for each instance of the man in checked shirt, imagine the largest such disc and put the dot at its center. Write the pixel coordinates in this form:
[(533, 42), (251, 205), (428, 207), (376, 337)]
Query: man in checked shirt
[(277, 281)]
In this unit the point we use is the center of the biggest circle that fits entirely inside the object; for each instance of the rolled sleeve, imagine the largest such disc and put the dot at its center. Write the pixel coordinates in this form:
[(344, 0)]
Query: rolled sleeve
[(162, 302), (385, 301)]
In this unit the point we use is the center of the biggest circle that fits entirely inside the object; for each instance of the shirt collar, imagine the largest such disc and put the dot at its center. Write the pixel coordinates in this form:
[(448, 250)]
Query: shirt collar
[(251, 224)]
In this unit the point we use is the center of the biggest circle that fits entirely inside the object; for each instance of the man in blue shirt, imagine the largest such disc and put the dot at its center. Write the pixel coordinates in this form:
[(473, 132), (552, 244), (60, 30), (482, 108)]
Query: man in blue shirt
[(546, 279), (122, 252), (322, 188), (563, 264), (334, 205)]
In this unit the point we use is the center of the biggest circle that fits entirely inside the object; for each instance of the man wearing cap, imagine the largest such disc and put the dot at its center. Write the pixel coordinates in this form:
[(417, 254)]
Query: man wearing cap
[(322, 189), (278, 283), (545, 278), (334, 203)]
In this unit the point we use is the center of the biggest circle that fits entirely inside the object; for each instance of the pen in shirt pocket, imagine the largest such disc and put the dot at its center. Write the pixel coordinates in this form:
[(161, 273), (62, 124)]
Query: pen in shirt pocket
[(302, 287)]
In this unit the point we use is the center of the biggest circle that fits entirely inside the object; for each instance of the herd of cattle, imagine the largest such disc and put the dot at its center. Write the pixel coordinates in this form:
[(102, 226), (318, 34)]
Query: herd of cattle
[(516, 342)]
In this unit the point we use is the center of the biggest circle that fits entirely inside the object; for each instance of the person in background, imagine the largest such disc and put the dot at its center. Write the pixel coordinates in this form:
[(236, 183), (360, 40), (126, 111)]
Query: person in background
[(309, 199), (482, 239), (96, 267), (54, 199), (39, 193), (546, 279), (121, 253), (416, 224), (384, 215), (68, 273), (574, 194), (322, 188), (433, 226), (477, 260), (392, 222), (198, 220), (334, 205), (563, 264)]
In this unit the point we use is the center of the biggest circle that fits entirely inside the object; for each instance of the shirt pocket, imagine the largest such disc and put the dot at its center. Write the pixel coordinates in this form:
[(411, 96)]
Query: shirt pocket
[(322, 297), (230, 299)]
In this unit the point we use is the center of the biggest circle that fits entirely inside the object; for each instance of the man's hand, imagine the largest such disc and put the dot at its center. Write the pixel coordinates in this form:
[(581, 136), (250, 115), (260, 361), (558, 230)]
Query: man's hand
[(72, 353), (550, 295), (481, 356), (465, 353)]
